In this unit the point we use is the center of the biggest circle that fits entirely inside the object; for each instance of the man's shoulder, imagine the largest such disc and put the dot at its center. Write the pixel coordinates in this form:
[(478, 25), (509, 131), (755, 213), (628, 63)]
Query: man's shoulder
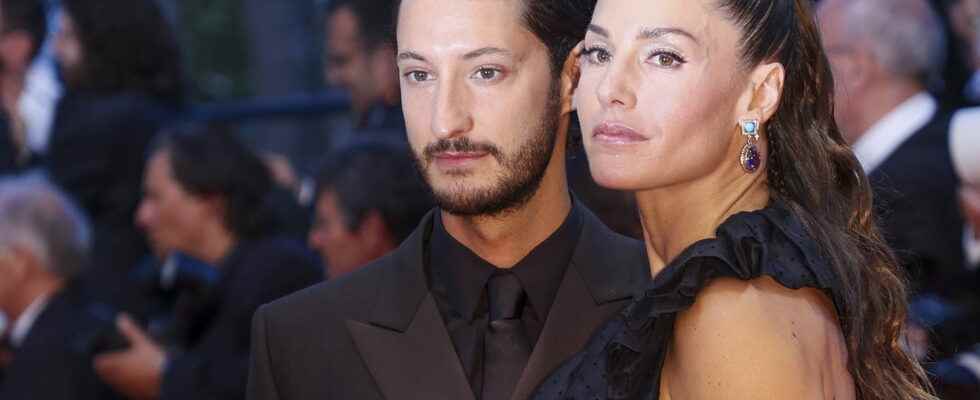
[(348, 297), (599, 240)]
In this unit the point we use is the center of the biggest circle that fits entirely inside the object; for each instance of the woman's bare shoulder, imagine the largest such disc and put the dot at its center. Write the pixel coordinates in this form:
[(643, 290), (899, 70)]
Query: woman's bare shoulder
[(756, 340)]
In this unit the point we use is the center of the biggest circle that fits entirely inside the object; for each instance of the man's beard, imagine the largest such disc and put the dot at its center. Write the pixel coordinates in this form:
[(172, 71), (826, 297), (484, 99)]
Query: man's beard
[(516, 183)]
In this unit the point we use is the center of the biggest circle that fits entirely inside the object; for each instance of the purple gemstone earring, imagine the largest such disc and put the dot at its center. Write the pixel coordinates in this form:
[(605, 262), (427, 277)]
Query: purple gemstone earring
[(750, 159)]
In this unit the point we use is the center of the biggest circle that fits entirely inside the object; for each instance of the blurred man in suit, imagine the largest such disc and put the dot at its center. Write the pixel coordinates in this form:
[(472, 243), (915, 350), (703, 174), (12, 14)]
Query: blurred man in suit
[(44, 241), (899, 134), (958, 375), (23, 26), (370, 199), (510, 275), (207, 197)]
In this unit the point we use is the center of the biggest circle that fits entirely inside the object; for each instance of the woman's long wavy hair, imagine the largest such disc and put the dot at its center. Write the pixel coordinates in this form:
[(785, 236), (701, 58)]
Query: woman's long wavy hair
[(813, 171)]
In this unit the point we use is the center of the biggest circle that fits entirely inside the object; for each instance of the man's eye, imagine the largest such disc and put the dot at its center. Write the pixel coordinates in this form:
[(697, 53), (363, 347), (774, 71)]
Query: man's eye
[(487, 74)]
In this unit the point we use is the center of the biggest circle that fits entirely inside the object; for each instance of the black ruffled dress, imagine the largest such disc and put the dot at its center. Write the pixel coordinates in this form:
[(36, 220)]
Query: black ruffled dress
[(624, 358)]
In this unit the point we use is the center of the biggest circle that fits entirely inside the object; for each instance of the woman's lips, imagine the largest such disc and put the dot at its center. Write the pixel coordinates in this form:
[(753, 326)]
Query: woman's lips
[(617, 133)]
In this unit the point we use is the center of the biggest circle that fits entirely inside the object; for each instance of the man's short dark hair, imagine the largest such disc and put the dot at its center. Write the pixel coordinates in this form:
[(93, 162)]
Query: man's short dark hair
[(377, 176), (210, 160), (375, 19), (559, 24), (27, 16)]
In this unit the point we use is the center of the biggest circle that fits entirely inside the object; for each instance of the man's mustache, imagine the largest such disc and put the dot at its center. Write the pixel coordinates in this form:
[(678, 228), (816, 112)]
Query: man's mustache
[(460, 145)]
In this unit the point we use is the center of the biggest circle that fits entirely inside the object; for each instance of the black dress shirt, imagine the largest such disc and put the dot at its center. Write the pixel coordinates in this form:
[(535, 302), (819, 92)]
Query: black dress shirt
[(458, 279)]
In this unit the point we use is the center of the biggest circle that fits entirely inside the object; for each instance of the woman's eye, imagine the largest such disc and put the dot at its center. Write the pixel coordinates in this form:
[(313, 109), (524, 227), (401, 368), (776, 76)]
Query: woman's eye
[(596, 56), (666, 59)]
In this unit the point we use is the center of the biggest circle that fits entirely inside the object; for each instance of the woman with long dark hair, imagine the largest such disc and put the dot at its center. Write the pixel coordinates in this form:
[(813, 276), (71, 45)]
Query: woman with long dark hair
[(770, 278), (121, 67)]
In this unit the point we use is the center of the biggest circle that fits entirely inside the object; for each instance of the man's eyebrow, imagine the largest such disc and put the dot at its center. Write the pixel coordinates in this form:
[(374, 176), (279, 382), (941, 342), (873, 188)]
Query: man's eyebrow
[(411, 55), (484, 52), (656, 33)]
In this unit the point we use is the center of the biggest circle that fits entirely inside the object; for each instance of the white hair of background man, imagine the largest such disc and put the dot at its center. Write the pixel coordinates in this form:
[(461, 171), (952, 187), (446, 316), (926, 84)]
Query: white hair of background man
[(36, 216), (906, 37)]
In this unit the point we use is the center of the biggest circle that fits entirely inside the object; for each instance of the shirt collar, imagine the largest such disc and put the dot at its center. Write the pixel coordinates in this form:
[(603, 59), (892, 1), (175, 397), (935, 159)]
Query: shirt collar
[(972, 247), (465, 274), (22, 326), (886, 135)]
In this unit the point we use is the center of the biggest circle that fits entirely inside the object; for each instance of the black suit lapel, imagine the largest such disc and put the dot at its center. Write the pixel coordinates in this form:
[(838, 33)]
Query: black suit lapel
[(418, 363), (606, 269), (405, 344)]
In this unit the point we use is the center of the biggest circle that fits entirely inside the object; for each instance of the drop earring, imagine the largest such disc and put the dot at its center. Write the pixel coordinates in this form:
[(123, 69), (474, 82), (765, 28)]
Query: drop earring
[(750, 159)]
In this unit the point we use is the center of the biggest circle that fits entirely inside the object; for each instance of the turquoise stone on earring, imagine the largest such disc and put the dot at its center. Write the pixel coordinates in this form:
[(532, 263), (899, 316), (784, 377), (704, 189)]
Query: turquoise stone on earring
[(750, 158)]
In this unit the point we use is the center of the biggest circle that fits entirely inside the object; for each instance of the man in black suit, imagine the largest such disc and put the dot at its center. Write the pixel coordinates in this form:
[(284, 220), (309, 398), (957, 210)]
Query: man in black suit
[(898, 131), (207, 197), (43, 243), (510, 275)]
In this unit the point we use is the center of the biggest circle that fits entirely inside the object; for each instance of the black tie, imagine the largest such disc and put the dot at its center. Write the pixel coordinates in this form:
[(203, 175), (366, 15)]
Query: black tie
[(506, 348)]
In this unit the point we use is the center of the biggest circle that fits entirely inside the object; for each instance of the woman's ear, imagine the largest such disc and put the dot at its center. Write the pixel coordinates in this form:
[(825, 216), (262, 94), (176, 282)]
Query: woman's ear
[(767, 90), (569, 80)]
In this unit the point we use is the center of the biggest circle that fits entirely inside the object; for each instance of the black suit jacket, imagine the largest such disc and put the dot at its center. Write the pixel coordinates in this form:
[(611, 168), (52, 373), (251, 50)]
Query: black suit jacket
[(215, 329), (916, 203), (377, 333), (55, 360), (8, 153)]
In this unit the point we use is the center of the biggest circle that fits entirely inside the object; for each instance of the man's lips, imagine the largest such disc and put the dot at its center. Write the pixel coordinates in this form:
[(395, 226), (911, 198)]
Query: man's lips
[(455, 159), (617, 133)]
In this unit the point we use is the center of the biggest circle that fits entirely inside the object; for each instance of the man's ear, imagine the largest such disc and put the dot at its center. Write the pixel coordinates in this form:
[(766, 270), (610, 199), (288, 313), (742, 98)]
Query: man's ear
[(373, 230), (569, 80)]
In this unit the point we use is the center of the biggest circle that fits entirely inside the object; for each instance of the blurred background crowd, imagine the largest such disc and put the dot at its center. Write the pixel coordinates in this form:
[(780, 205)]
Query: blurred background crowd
[(167, 166)]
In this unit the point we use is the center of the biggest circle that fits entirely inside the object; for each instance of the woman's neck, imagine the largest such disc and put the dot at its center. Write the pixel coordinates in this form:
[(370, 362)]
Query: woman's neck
[(676, 217)]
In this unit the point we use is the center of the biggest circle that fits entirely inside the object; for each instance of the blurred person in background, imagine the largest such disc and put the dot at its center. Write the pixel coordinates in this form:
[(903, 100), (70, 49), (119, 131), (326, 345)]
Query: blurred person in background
[(897, 130), (23, 26), (964, 15), (958, 376), (360, 58), (207, 198), (121, 66), (370, 199), (44, 240)]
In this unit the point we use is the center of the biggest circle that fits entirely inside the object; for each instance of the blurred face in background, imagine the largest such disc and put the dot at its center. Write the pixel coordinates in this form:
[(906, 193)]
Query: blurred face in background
[(68, 49), (849, 61), (342, 249), (173, 218), (480, 102), (964, 17), (16, 48), (348, 61)]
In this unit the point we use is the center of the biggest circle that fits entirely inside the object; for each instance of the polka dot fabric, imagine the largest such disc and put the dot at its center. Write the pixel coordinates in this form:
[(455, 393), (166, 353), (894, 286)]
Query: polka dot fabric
[(624, 358)]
